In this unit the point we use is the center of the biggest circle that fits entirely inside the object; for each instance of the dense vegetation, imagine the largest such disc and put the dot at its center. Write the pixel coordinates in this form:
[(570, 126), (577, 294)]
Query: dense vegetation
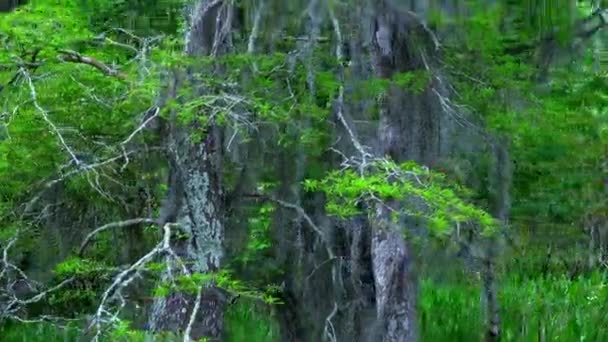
[(306, 170)]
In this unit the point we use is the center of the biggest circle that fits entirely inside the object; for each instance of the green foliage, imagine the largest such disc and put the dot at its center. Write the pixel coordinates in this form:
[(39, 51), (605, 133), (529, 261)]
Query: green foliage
[(69, 94), (142, 17), (37, 26), (558, 308), (415, 81), (224, 279), (89, 279), (428, 193), (556, 131), (76, 266), (259, 233), (558, 142)]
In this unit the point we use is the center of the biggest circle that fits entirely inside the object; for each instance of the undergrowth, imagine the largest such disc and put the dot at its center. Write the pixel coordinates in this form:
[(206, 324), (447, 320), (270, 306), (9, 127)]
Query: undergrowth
[(552, 308)]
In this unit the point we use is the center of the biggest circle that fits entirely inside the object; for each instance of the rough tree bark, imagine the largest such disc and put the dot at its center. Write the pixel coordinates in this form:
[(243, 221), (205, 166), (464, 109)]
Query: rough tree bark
[(395, 279), (197, 189)]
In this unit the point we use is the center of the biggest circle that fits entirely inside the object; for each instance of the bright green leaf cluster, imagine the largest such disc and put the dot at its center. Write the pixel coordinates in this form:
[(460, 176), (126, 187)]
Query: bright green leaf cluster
[(420, 192)]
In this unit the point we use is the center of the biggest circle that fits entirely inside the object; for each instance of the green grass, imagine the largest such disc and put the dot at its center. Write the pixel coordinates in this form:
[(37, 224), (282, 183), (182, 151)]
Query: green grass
[(544, 309), (250, 323), (554, 308), (244, 321), (36, 332)]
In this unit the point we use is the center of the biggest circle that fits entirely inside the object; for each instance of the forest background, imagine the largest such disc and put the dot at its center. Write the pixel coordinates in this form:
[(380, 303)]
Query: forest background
[(306, 170)]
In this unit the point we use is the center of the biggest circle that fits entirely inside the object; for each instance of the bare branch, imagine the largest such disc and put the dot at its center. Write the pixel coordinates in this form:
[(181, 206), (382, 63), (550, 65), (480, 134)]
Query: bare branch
[(302, 213), (46, 117), (75, 57), (122, 45), (14, 303), (340, 105), (105, 227), (41, 295), (137, 130), (254, 32), (7, 264), (142, 126), (195, 310), (81, 169), (124, 278), (426, 29), (329, 329)]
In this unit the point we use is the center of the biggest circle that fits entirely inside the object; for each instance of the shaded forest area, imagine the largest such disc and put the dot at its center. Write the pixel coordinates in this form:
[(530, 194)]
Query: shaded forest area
[(303, 170)]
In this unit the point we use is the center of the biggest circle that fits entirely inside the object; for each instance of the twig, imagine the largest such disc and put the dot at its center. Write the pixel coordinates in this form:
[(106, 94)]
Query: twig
[(339, 55), (105, 227), (329, 329), (197, 306), (75, 57), (82, 169), (46, 117), (120, 282), (254, 32), (41, 295), (137, 130), (302, 213), (122, 45), (32, 64)]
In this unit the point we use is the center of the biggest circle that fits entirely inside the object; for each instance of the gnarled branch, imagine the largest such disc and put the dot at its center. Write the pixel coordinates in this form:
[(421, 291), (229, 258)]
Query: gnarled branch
[(75, 57)]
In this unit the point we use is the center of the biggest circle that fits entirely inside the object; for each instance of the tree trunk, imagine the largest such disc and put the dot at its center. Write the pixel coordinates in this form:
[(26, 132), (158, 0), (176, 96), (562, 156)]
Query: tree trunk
[(409, 130), (196, 191), (394, 279), (500, 177)]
